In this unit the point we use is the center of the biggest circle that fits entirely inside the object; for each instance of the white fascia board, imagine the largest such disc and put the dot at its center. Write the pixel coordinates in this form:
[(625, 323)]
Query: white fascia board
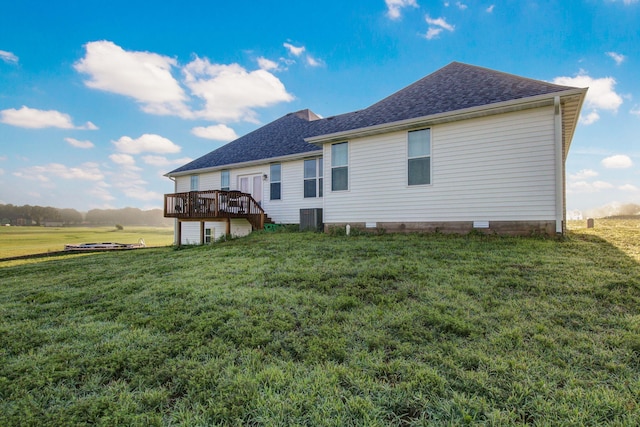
[(450, 116), (248, 164)]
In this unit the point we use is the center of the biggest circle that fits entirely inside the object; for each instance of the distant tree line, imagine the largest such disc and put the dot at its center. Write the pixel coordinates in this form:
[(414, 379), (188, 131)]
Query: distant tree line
[(46, 215)]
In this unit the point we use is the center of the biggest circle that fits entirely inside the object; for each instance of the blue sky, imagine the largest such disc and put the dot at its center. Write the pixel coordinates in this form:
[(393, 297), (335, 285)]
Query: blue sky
[(99, 100)]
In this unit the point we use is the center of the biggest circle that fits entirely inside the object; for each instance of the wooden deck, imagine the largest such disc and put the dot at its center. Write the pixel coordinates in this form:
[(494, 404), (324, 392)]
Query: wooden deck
[(214, 205)]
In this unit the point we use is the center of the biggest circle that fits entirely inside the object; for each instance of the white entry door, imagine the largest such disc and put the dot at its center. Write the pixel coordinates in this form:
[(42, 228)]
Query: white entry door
[(251, 184)]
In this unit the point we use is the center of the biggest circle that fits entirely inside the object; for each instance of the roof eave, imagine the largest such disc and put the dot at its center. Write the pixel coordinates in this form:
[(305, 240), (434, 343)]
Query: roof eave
[(449, 116)]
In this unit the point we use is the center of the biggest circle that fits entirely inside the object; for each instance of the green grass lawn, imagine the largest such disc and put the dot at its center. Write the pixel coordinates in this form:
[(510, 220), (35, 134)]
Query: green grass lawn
[(311, 329), (18, 241)]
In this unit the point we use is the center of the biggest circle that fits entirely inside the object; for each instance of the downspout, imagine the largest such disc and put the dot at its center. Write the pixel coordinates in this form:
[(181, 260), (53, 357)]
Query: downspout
[(559, 164)]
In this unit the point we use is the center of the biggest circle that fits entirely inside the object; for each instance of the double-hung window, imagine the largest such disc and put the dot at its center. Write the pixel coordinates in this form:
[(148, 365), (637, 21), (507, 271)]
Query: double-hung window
[(224, 180), (195, 182), (275, 182), (419, 159), (340, 166), (313, 177)]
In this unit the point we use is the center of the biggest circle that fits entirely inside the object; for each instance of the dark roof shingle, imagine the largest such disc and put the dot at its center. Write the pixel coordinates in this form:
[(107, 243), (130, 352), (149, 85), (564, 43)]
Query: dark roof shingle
[(454, 87)]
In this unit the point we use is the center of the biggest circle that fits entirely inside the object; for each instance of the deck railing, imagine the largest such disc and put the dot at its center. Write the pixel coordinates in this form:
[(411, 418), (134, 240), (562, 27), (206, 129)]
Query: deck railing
[(214, 204)]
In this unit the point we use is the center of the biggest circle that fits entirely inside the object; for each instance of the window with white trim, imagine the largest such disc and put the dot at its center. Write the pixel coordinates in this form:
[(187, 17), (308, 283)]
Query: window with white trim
[(195, 182), (313, 177), (340, 166), (419, 157), (224, 180), (275, 187)]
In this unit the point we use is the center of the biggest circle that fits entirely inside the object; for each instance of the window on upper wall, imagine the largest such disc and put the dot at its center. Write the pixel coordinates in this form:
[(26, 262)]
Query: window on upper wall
[(195, 182), (275, 182), (224, 180), (419, 159), (313, 177), (340, 166)]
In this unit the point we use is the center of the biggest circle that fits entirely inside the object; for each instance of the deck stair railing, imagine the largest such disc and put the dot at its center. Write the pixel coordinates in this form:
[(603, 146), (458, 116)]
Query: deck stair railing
[(215, 204)]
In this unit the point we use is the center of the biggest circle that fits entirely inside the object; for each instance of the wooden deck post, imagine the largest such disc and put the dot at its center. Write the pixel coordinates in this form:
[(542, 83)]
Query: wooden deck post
[(179, 242), (228, 228)]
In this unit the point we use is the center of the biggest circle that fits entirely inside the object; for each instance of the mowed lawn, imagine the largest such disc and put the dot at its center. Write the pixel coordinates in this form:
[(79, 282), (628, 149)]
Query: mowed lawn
[(19, 241), (310, 329)]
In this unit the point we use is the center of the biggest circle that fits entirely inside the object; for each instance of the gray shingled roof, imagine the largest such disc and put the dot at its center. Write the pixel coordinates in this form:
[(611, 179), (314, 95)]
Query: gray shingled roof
[(282, 137), (454, 87)]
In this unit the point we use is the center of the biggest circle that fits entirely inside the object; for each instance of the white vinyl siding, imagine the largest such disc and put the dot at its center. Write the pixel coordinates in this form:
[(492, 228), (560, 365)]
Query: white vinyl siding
[(284, 211), (191, 230), (287, 210), (498, 168)]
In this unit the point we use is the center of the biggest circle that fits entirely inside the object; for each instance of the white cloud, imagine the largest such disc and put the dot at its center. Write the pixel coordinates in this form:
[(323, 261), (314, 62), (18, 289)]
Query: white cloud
[(267, 64), (600, 96), (461, 6), (144, 76), (583, 174), (150, 143), (394, 7), (89, 126), (132, 185), (215, 132), (100, 191), (590, 118), (433, 33), (294, 50), (588, 187), (8, 57), (88, 171), (312, 62), (436, 26), (32, 118), (619, 161), (298, 51), (490, 8), (439, 22), (230, 92), (79, 144), (163, 161), (635, 110), (124, 160), (617, 57), (630, 188), (628, 2)]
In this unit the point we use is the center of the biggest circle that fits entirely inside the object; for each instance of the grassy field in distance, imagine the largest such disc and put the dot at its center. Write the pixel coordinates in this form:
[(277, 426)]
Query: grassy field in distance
[(18, 241)]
